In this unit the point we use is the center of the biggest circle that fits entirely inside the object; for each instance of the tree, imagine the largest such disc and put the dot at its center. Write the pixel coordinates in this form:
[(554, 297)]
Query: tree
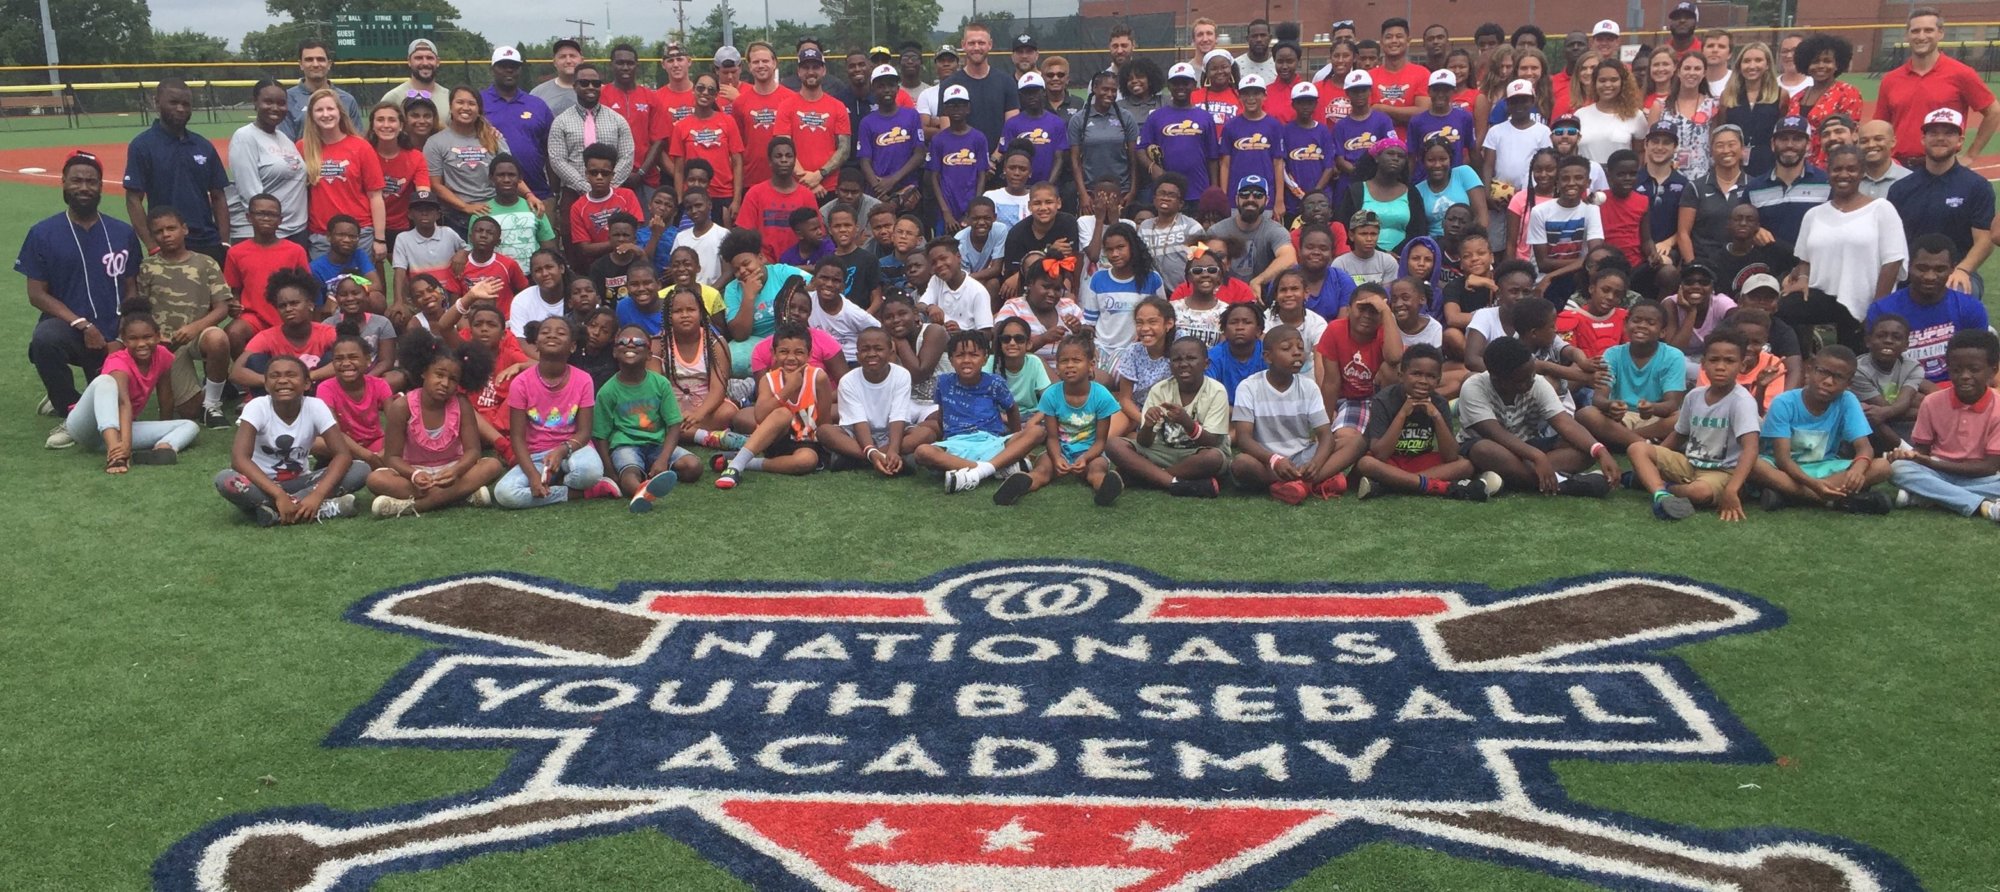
[(87, 32), (860, 24), (189, 46)]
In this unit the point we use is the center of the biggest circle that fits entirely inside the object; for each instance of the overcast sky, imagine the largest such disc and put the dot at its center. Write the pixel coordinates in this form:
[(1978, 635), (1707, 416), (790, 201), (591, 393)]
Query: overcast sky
[(513, 23)]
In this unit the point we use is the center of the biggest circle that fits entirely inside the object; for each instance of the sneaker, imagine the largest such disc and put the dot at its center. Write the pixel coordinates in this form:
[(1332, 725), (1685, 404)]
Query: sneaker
[(1628, 480), (1990, 509), (728, 479), (59, 438), (1493, 483), (1673, 508), (385, 506), (1109, 490), (604, 488), (267, 516), (213, 418), (1012, 489), (719, 462), (954, 481), (1591, 485), (338, 506), (1869, 502), (1291, 492), (1771, 499), (1368, 489), (480, 498), (1205, 488), (1466, 491), (659, 486), (732, 440), (1331, 487), (159, 455)]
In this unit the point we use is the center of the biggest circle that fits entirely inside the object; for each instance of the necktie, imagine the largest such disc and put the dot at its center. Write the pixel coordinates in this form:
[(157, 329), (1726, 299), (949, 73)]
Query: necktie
[(589, 129)]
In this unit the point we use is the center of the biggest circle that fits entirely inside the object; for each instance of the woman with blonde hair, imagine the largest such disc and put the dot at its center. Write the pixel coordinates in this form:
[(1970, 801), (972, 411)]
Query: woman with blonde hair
[(343, 176), (1491, 107), (1574, 91), (1754, 101), (460, 156), (1613, 119)]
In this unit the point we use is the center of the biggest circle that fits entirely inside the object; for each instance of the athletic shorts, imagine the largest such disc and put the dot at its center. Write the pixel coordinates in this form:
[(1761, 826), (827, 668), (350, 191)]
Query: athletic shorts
[(1415, 464), (1168, 456), (975, 447), (788, 445), (1675, 468), (1351, 413), (185, 374), (1817, 470), (641, 458)]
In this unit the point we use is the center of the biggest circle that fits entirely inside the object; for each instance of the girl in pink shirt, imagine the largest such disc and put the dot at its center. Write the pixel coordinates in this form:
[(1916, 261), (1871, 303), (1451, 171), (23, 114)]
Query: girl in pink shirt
[(356, 398), (431, 451), (552, 405), (107, 415)]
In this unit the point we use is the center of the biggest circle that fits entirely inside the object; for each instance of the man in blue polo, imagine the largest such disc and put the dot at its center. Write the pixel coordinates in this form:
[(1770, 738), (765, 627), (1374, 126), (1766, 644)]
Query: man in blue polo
[(1946, 197), (1793, 186), (166, 165), (315, 74), (521, 117), (79, 265)]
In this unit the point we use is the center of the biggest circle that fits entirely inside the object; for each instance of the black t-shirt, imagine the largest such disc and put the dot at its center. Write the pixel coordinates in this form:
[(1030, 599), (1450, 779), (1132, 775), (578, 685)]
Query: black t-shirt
[(993, 96), (1468, 299), (1022, 240), (1419, 434), (609, 275), (864, 275)]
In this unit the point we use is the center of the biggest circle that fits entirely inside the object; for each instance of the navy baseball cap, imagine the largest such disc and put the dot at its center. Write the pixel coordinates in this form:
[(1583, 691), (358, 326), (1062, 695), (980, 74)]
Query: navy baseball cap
[(1792, 124), (1666, 129), (1684, 8), (813, 55)]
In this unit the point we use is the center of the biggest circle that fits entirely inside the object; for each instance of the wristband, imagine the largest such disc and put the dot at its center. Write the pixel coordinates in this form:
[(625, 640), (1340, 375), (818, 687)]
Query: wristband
[(1597, 450), (1275, 458), (870, 454), (1196, 433), (78, 323)]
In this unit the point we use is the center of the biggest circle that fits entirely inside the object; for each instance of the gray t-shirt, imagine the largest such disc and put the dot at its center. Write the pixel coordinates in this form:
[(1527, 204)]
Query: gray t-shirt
[(373, 328), (1378, 268), (462, 164), (1106, 141), (558, 97), (1870, 381), (1527, 417), (1261, 243), (1711, 430)]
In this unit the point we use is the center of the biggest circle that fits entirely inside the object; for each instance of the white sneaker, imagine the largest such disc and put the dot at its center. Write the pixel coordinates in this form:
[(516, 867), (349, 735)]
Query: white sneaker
[(386, 506), (480, 498), (1907, 499), (59, 438), (1493, 483), (338, 506), (47, 408), (1990, 509), (960, 480)]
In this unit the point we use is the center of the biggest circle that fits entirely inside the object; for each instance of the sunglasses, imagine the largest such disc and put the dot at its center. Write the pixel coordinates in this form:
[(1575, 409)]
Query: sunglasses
[(632, 342), (1565, 131), (1013, 339), (1198, 270), (589, 83)]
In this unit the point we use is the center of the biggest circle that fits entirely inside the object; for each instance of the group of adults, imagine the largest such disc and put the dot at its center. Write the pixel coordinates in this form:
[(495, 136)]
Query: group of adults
[(1718, 125)]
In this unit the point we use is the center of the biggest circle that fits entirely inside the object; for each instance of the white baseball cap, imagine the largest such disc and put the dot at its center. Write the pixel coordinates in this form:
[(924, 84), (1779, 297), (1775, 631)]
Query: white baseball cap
[(1606, 26), (1031, 80), (1183, 70), (1445, 77), (1521, 87), (505, 53), (1250, 82), (1945, 116), (1305, 90), (1357, 78), (882, 71), (956, 93)]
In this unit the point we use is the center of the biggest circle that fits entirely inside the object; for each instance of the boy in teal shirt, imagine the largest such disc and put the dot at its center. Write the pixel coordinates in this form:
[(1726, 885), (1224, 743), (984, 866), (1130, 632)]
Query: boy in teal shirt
[(1802, 434), (1640, 384)]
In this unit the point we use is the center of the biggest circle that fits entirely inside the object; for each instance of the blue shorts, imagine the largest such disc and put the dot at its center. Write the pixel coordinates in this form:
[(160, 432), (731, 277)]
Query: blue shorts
[(977, 446), (640, 458)]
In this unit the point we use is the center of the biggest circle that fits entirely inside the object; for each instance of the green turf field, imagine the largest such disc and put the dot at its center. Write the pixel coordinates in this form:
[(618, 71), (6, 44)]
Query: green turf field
[(166, 664)]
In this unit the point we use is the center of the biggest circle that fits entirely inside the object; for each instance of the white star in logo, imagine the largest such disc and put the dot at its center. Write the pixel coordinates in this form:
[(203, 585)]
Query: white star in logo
[(1146, 836), (875, 834), (1010, 837)]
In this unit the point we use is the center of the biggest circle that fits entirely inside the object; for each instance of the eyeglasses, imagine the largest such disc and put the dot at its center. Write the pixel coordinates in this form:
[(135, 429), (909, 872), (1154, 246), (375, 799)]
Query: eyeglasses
[(632, 342), (1199, 270), (1013, 339)]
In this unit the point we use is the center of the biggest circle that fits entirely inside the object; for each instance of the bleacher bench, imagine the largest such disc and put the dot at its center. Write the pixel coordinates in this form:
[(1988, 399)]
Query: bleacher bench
[(34, 104)]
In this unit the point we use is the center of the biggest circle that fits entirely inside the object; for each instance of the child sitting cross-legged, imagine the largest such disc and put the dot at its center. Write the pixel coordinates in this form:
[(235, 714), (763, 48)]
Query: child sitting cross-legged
[(1801, 438), (1076, 413), (637, 425), (1182, 440), (1956, 462), (875, 431), (793, 399), (1411, 445), (1517, 428), (1640, 383), (268, 477), (1708, 457), (1279, 425), (430, 441), (978, 425), (551, 408)]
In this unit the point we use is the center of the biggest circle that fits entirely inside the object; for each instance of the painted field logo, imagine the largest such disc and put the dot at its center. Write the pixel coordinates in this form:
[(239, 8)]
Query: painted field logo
[(1045, 727)]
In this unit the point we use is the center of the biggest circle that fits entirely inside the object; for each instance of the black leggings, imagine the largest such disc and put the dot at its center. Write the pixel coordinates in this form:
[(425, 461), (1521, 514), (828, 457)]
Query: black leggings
[(1817, 307)]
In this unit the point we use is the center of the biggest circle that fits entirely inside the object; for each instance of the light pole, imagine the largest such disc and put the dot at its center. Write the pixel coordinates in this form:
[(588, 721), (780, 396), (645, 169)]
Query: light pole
[(49, 45)]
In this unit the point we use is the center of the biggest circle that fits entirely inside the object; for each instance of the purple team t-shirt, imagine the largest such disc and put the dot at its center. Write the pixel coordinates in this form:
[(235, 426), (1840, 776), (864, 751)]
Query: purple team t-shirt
[(960, 162), (1308, 153), (1048, 132), (1353, 137), (1187, 141), (551, 411), (1455, 125), (887, 142), (1252, 148)]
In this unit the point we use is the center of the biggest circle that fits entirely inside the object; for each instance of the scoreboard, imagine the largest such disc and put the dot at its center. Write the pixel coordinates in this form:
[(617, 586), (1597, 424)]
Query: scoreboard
[(380, 35)]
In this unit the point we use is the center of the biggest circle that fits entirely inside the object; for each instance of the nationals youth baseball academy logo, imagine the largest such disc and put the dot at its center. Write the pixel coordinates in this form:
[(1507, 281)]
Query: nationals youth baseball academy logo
[(1044, 726)]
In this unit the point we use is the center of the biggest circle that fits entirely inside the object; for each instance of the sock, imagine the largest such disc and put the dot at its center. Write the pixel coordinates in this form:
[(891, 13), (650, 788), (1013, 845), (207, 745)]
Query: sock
[(982, 471), (1172, 480), (211, 394), (1661, 495), (1431, 486), (707, 438), (1562, 477), (754, 464), (742, 460)]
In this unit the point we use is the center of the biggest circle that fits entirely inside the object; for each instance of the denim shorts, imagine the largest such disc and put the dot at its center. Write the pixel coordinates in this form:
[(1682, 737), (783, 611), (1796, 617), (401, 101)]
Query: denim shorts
[(640, 458)]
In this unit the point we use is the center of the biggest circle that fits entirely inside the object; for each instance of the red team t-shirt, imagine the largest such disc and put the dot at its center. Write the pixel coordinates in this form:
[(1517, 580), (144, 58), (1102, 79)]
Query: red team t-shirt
[(1592, 336), (757, 119), (589, 216), (317, 349), (503, 268), (248, 267), (1407, 88), (814, 126), (348, 171), (769, 211), (669, 107), (1357, 362), (636, 107), (402, 176), (715, 140), (1622, 218)]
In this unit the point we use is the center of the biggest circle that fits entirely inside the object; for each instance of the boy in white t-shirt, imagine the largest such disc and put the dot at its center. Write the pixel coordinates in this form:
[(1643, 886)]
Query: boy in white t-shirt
[(1279, 426), (954, 299), (874, 399), (833, 313), (1562, 231)]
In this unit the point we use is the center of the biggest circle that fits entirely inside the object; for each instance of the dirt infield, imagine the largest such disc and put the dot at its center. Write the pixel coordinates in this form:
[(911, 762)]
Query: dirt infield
[(43, 166)]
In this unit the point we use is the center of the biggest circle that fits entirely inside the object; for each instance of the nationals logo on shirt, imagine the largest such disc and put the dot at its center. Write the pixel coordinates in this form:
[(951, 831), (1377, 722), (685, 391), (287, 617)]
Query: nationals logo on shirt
[(764, 118), (1182, 128), (333, 169), (467, 157), (707, 138), (894, 136)]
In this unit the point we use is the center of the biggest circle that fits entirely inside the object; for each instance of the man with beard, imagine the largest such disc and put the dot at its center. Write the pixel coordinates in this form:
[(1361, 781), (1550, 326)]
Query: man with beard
[(1257, 59), (79, 265), (520, 117), (835, 88), (1267, 247), (1027, 56), (1680, 29), (587, 122), (1121, 46), (315, 67), (995, 98), (818, 124), (167, 165), (422, 83), (1792, 187), (1945, 197), (559, 92)]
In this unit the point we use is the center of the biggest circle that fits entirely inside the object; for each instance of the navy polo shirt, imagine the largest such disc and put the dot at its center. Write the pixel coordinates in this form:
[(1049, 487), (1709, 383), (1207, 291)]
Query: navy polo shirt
[(86, 269), (524, 121), (1781, 208), (1954, 204), (178, 172), (1663, 216)]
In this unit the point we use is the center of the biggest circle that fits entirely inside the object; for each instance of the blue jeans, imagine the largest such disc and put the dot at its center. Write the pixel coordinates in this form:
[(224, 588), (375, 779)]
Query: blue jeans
[(641, 458), (1960, 494), (583, 471), (97, 411)]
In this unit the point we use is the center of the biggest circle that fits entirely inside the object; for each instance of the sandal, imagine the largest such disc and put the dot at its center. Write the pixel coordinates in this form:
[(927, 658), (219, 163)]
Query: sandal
[(117, 465)]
